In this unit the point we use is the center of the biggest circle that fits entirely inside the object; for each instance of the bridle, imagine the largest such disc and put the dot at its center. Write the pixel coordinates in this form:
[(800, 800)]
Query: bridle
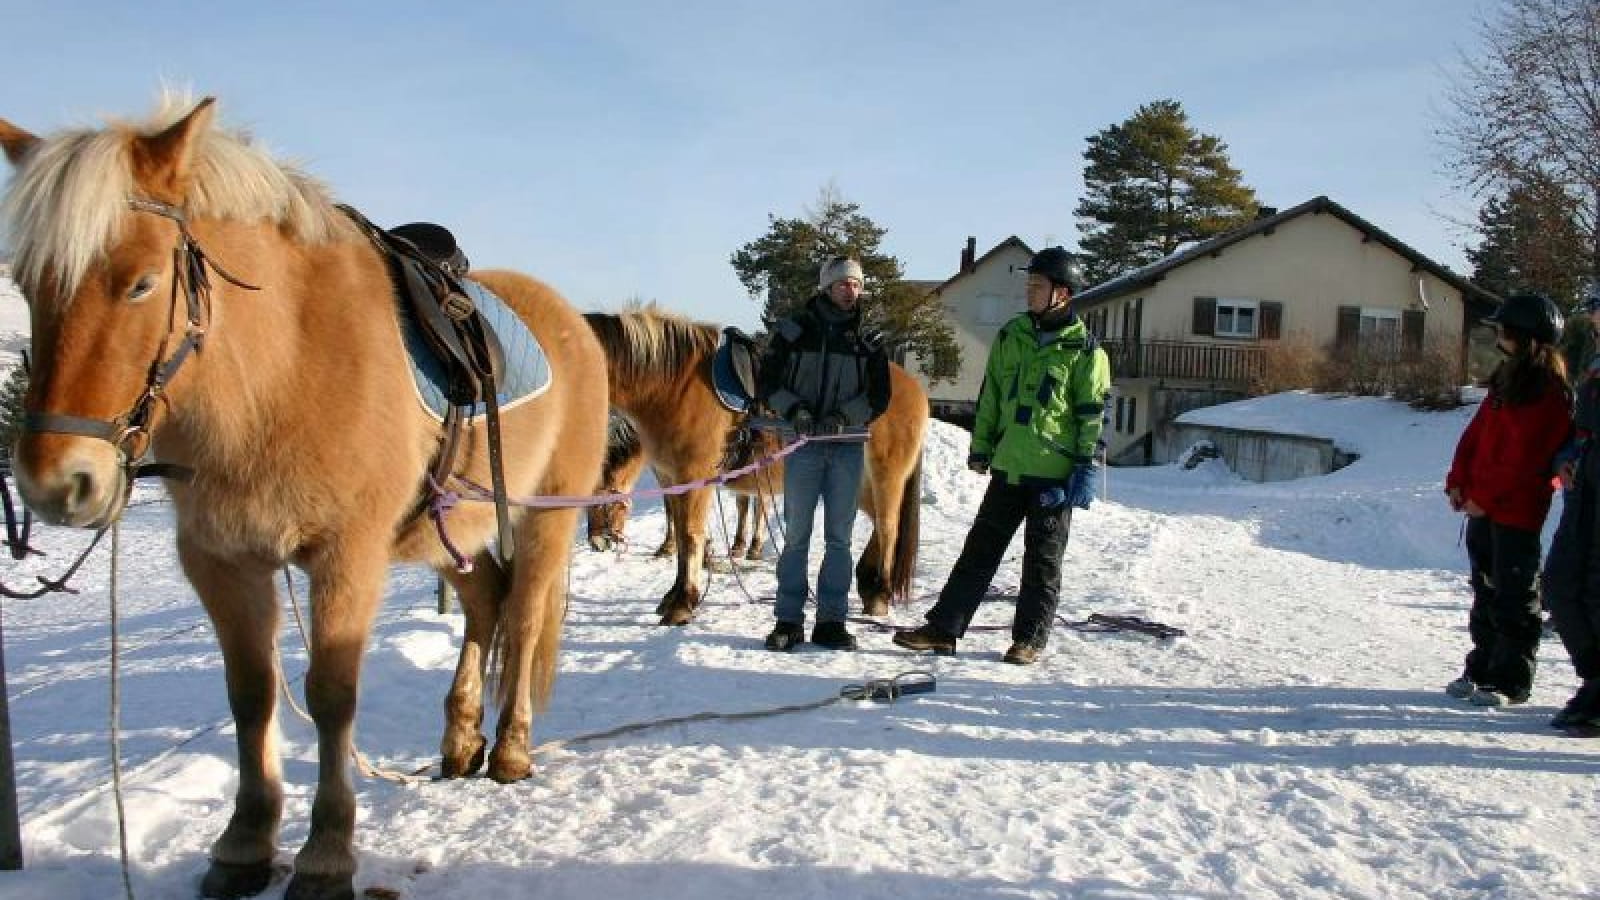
[(129, 433)]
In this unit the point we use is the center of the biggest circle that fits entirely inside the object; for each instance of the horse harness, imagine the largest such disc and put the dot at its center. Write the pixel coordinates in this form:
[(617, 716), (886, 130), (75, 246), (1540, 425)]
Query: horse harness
[(130, 432), (427, 268)]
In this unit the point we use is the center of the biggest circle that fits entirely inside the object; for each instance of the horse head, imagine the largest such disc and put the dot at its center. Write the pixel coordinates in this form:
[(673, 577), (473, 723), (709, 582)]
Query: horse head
[(95, 217)]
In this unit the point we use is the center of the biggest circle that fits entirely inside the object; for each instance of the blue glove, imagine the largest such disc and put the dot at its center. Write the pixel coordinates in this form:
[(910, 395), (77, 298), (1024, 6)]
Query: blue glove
[(1080, 488), (1053, 498), (979, 463)]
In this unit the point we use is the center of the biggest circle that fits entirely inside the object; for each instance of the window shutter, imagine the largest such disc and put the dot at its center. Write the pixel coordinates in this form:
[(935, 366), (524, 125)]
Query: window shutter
[(1412, 322), (1205, 315), (1271, 321), (1349, 326)]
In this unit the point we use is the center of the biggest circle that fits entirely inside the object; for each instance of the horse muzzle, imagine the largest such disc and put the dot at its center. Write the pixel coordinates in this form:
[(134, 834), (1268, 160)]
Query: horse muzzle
[(71, 481)]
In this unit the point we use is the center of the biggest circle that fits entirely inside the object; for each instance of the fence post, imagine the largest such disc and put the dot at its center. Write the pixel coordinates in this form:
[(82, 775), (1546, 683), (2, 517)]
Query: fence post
[(10, 829)]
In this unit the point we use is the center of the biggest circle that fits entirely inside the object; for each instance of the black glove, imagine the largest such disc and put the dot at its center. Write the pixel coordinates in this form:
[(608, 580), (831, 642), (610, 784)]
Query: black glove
[(804, 423), (979, 463), (832, 423)]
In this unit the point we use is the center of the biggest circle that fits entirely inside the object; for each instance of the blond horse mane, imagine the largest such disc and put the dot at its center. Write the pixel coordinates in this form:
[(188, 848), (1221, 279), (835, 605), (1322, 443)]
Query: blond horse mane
[(69, 197), (647, 343)]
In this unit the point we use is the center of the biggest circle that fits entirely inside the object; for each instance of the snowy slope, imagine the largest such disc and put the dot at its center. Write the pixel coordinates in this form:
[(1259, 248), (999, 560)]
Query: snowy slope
[(1295, 744)]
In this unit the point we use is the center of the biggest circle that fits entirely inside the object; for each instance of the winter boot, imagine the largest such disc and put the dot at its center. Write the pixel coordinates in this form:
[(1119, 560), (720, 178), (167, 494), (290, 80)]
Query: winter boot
[(1461, 689), (1490, 696), (927, 637), (1584, 704), (833, 636), (1021, 654), (784, 636)]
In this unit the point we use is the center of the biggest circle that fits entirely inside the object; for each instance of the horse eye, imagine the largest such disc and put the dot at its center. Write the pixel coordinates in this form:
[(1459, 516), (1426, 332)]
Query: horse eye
[(142, 288)]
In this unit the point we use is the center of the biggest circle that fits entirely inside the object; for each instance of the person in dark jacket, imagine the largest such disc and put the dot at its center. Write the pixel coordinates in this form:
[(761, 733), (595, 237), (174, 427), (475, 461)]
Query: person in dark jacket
[(1501, 479), (1039, 420), (830, 379), (1571, 579)]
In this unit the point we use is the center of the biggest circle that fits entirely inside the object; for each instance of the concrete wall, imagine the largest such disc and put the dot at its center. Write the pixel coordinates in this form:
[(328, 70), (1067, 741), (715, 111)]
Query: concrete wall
[(1253, 455)]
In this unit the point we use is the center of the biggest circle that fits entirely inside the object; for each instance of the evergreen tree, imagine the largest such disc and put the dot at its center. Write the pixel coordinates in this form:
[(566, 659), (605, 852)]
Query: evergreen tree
[(780, 269), (1153, 184), (12, 390), (1531, 241)]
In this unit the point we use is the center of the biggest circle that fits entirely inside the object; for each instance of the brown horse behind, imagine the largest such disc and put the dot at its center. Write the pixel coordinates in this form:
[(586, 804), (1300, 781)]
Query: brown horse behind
[(659, 368), (299, 422)]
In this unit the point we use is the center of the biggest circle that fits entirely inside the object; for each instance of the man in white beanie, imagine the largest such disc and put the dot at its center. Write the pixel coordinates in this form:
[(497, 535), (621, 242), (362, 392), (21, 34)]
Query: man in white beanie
[(828, 378)]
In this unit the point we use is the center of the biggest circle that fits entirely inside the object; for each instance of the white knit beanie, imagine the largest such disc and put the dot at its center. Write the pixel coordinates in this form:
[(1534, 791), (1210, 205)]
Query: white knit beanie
[(836, 268)]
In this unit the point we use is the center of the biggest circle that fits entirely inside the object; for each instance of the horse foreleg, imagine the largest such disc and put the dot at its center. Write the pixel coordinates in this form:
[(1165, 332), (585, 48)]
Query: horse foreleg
[(758, 526), (242, 603), (481, 592), (346, 585), (741, 537), (530, 631), (678, 606)]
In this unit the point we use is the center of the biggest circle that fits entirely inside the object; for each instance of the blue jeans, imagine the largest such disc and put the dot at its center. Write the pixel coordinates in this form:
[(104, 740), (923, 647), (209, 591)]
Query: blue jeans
[(831, 472)]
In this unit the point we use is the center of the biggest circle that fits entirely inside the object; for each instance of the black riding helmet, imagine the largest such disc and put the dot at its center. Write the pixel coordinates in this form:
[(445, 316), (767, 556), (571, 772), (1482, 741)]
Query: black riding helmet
[(1534, 315), (1056, 264)]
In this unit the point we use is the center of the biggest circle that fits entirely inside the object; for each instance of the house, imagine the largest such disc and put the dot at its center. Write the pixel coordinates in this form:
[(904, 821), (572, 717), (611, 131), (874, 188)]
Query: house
[(985, 292), (1195, 328)]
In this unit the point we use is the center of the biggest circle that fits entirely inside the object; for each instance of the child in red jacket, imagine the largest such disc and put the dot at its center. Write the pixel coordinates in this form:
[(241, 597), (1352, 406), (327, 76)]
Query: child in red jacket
[(1501, 479)]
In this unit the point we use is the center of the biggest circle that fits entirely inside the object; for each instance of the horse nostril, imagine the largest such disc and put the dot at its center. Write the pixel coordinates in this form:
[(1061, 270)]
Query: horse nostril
[(80, 488)]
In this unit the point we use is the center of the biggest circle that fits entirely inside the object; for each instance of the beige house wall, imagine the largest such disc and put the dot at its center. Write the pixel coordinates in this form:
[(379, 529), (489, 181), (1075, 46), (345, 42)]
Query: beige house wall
[(1313, 265), (976, 305)]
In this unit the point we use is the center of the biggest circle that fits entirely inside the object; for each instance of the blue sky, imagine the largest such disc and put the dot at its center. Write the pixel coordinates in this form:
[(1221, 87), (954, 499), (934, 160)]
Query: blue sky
[(626, 150)]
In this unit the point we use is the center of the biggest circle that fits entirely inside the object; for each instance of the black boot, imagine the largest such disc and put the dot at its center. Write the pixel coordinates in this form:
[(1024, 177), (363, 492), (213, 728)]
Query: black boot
[(1585, 704), (833, 636), (927, 637), (784, 636)]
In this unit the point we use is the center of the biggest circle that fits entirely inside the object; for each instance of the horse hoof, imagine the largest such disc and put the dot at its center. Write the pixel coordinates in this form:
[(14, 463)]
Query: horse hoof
[(228, 881), (677, 615), (599, 544), (451, 766), (320, 887), (877, 607), (510, 771)]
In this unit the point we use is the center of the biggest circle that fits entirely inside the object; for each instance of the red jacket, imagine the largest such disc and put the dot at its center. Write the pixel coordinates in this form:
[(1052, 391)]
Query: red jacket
[(1503, 460)]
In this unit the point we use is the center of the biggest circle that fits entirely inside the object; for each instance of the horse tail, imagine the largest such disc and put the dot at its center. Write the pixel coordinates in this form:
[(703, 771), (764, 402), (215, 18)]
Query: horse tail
[(908, 537), (546, 650)]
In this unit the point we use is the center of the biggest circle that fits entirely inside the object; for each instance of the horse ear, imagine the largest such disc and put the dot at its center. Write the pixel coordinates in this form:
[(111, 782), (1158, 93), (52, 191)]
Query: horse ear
[(163, 161), (16, 142)]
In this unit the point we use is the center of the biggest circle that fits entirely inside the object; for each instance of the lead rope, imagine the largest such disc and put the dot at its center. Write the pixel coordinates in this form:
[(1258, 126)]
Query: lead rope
[(116, 721)]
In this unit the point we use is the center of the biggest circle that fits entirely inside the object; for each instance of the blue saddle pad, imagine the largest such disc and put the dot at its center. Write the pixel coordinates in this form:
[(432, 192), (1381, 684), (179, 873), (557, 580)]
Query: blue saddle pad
[(733, 369), (527, 373)]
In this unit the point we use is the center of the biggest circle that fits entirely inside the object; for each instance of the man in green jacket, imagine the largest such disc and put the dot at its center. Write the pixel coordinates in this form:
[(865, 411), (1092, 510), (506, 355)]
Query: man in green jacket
[(1040, 413)]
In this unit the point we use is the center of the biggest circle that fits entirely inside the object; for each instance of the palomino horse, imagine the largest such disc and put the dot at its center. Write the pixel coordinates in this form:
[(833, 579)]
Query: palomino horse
[(660, 377), (300, 427), (624, 464)]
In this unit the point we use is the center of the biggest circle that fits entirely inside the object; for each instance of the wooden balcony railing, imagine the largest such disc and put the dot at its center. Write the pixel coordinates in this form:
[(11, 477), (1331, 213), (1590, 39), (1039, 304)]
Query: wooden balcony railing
[(1233, 364)]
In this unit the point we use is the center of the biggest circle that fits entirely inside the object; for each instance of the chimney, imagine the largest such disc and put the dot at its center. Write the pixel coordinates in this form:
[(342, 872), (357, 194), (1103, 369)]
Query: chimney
[(969, 255)]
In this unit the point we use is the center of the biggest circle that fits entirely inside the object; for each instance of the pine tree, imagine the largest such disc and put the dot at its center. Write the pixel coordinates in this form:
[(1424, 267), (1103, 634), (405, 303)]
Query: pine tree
[(1153, 184), (1531, 242), (12, 390), (780, 270)]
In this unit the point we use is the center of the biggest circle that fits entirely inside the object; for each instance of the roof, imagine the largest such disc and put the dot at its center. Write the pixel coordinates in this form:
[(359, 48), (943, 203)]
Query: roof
[(1012, 241), (1148, 275)]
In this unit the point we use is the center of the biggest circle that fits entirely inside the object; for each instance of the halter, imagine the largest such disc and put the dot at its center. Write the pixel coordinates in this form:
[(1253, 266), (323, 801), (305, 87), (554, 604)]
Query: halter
[(129, 433)]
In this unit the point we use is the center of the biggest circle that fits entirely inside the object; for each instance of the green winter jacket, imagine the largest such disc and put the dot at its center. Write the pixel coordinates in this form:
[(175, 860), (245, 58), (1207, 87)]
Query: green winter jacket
[(1041, 408)]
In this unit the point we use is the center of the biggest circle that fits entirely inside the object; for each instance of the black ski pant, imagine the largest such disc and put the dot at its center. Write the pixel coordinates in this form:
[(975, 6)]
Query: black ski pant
[(1004, 507), (1571, 579), (1504, 622)]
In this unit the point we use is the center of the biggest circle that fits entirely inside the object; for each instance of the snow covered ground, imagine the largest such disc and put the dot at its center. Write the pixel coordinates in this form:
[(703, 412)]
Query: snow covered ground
[(1295, 744)]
